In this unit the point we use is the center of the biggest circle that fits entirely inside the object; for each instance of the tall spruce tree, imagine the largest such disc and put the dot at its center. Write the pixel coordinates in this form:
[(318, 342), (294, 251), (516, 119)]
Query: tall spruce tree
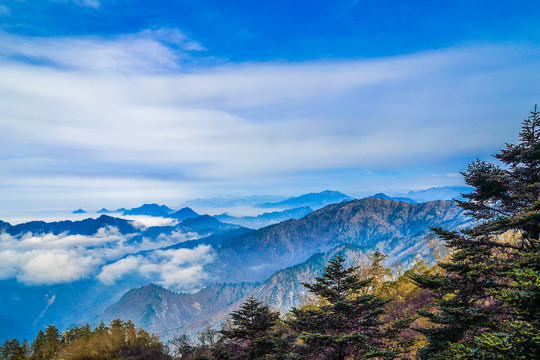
[(488, 293), (251, 330), (347, 325)]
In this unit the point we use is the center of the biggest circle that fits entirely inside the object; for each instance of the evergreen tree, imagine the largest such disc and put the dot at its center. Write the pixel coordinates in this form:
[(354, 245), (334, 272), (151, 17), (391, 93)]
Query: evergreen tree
[(488, 294), (348, 324), (37, 346), (251, 330), (12, 350), (46, 345)]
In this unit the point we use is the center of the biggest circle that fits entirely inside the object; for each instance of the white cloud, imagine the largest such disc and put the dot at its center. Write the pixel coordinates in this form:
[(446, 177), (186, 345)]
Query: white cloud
[(147, 51), (9, 264), (46, 266), (147, 221), (53, 259), (117, 270), (177, 269), (53, 267), (113, 127)]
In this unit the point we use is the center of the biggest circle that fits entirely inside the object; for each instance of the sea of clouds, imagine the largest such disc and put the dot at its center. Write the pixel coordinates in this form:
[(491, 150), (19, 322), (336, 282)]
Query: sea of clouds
[(107, 256)]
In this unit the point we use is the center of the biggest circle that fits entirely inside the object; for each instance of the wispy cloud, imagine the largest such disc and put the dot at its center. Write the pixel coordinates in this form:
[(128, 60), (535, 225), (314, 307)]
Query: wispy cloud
[(151, 50), (121, 115)]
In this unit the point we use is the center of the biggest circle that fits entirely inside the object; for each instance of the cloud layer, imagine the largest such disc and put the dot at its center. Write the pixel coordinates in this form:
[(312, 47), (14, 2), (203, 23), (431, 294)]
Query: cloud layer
[(96, 118), (54, 259), (177, 269)]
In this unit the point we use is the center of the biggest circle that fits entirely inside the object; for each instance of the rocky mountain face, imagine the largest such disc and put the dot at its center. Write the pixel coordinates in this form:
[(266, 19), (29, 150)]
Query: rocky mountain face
[(364, 223), (168, 313)]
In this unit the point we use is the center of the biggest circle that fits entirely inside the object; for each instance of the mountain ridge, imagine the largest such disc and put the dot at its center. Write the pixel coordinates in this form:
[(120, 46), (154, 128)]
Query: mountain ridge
[(362, 222), (312, 200), (265, 219)]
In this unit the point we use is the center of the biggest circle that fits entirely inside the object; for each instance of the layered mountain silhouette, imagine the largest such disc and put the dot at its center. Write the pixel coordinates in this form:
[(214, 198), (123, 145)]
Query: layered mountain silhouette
[(271, 263), (397, 198), (312, 200), (83, 227), (105, 211), (269, 218), (439, 193), (150, 210), (232, 201), (184, 214)]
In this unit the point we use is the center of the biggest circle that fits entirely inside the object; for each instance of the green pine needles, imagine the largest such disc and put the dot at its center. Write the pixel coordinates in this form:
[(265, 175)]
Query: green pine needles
[(488, 292), (347, 325)]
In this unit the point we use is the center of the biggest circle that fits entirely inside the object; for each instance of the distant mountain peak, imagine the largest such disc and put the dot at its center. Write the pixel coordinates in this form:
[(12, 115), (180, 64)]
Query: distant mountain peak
[(107, 211), (439, 193), (330, 192), (313, 200), (149, 210), (267, 218), (184, 214), (79, 211), (386, 197)]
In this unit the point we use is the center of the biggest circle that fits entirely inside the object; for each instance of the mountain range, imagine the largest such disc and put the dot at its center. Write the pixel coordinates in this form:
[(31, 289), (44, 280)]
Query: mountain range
[(232, 201), (202, 225), (397, 198), (223, 262), (268, 218), (439, 193), (312, 200), (271, 263), (363, 223)]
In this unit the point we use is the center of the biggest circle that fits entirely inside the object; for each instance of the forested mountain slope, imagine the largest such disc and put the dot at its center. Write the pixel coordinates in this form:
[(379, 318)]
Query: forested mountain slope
[(365, 223)]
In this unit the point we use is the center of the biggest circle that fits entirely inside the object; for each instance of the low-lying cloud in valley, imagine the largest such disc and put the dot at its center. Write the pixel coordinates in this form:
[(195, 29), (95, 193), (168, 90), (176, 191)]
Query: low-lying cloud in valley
[(48, 259), (180, 268)]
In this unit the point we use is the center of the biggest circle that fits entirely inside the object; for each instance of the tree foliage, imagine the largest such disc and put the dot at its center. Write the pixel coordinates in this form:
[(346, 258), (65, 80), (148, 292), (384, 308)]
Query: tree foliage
[(250, 333), (348, 324), (488, 303)]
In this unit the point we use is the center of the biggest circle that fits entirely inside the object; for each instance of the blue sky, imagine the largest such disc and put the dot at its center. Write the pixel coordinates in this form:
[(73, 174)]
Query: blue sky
[(116, 103)]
